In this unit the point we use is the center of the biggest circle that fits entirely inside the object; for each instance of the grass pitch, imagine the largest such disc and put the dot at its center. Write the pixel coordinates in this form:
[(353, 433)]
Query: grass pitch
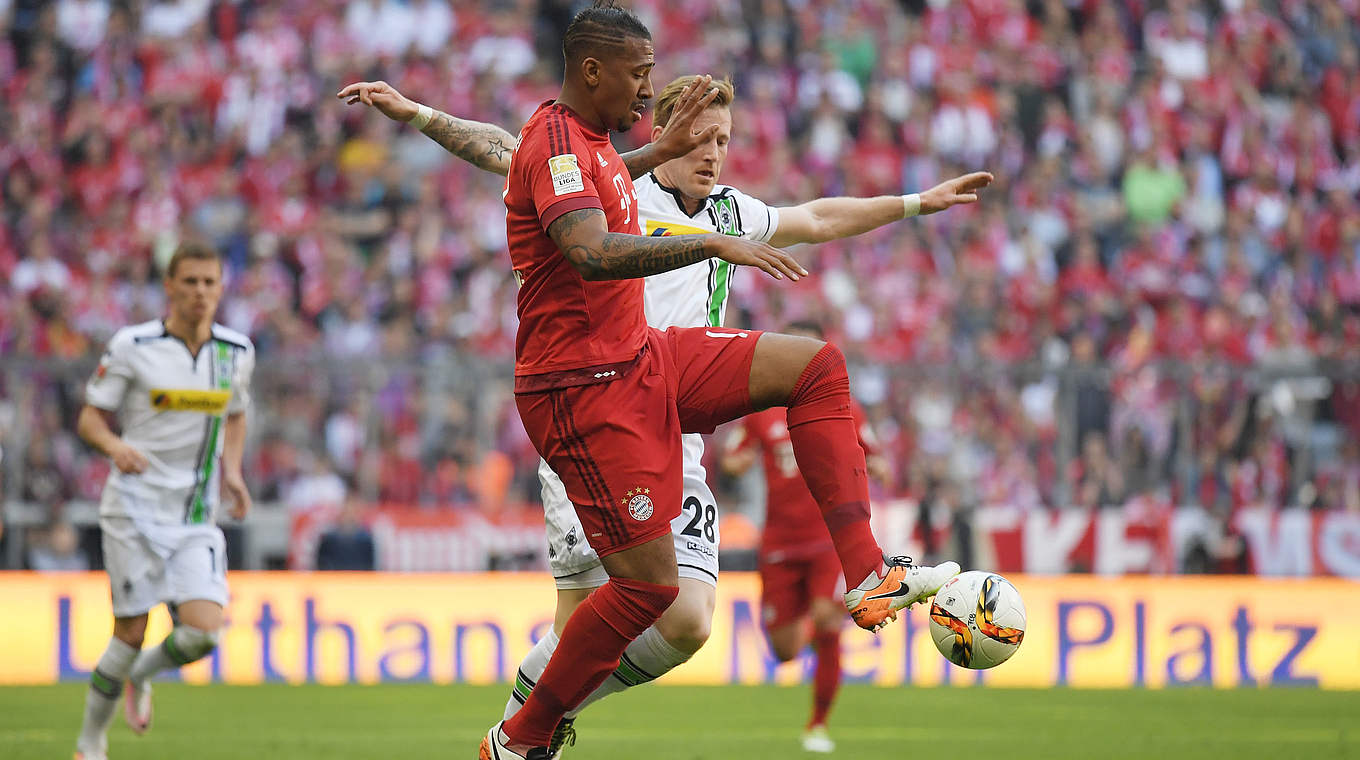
[(687, 723)]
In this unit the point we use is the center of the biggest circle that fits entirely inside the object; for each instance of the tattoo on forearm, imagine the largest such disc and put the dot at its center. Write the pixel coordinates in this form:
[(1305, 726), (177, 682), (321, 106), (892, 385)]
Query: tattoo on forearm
[(621, 256), (497, 150), (626, 256), (485, 146), (640, 161)]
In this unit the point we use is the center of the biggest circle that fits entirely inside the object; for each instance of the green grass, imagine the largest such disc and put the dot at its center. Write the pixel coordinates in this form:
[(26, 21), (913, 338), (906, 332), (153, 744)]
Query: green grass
[(686, 723)]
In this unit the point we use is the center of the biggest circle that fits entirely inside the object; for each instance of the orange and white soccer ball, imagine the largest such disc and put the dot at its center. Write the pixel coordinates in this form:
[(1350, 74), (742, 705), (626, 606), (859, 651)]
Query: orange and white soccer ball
[(977, 620)]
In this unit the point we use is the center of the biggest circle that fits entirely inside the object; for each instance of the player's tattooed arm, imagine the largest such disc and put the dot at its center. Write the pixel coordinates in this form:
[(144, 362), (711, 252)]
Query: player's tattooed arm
[(485, 146), (598, 254), (642, 160)]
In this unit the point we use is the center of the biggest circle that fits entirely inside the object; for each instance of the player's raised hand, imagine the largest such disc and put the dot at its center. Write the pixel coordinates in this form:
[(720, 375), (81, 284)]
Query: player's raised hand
[(678, 137), (773, 261), (953, 192), (382, 96), (234, 488), (128, 460)]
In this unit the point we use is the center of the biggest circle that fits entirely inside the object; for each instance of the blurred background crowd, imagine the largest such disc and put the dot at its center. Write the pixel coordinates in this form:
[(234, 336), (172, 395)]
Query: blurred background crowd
[(1158, 300)]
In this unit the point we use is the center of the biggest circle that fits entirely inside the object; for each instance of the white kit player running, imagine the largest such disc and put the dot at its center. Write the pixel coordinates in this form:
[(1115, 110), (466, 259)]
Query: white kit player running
[(681, 196), (178, 389)]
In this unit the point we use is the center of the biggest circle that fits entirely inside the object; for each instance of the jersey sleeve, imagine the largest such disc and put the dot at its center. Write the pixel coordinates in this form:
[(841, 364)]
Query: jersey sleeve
[(558, 179), (109, 384), (759, 220), (240, 382)]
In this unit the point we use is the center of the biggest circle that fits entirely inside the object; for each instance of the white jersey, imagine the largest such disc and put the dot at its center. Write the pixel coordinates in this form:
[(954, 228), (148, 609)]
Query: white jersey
[(171, 405), (696, 295)]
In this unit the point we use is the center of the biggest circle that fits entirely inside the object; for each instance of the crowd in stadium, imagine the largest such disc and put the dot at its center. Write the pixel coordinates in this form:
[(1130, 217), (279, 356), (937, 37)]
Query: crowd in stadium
[(1174, 224)]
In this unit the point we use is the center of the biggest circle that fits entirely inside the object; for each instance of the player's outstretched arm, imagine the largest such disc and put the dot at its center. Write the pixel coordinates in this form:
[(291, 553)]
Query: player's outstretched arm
[(233, 451), (584, 238), (835, 218), (485, 146), (92, 425)]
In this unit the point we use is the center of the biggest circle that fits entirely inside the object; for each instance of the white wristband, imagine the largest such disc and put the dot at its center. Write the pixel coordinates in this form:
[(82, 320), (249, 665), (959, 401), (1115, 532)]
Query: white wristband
[(424, 115), (911, 205)]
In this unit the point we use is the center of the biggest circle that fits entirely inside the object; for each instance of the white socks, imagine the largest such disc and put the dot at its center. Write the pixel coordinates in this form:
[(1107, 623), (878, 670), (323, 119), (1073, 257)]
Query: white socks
[(182, 646), (106, 687), (647, 658), (529, 671)]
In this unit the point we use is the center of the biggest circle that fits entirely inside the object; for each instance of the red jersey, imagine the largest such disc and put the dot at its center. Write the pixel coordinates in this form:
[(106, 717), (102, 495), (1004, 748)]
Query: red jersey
[(569, 329), (793, 522)]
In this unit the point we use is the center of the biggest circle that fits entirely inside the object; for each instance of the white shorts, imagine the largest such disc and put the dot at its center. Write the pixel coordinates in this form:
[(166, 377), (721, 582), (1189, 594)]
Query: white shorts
[(150, 563), (576, 566)]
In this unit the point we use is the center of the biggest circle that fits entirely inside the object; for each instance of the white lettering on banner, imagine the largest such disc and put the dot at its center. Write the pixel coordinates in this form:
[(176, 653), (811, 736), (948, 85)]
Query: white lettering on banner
[(1280, 540), (1136, 538), (1189, 526), (419, 540), (1052, 538), (1118, 552), (1338, 539), (997, 532), (897, 523)]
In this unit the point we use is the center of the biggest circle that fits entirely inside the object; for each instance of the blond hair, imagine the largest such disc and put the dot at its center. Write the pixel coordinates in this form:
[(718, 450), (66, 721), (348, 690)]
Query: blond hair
[(670, 95), (191, 250)]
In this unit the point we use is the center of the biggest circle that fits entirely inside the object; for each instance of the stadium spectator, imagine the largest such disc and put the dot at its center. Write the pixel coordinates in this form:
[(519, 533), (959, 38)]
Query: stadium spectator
[(58, 549), (1176, 182), (348, 543)]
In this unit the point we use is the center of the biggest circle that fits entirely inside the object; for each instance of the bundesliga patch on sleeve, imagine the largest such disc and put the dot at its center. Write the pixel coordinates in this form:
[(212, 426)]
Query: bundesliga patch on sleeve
[(566, 174)]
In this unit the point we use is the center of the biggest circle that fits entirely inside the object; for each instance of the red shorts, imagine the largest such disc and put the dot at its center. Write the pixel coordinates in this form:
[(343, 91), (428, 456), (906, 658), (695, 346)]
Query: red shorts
[(616, 444), (788, 587)]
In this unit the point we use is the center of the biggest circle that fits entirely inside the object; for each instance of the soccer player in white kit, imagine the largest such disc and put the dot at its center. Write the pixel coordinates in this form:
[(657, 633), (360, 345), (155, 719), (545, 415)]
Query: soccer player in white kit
[(681, 196), (178, 390)]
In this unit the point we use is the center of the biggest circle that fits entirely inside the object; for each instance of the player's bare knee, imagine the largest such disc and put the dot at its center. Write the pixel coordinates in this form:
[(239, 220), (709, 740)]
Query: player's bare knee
[(828, 620), (568, 599), (786, 641), (778, 364), (688, 630), (785, 650), (651, 562), (130, 630)]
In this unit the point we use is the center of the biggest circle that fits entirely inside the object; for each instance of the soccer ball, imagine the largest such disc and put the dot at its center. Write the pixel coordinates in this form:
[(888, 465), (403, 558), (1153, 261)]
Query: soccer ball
[(977, 620)]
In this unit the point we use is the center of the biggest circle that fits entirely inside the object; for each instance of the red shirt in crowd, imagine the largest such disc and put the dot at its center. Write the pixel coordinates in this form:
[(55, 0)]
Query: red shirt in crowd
[(793, 521)]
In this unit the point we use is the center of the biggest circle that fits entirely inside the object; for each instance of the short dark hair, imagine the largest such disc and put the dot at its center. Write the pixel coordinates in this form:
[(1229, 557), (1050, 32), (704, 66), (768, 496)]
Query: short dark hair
[(191, 250), (602, 28)]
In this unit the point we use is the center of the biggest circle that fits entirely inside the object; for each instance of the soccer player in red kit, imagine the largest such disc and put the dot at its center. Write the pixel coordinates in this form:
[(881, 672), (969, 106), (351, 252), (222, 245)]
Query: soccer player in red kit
[(800, 576), (605, 398)]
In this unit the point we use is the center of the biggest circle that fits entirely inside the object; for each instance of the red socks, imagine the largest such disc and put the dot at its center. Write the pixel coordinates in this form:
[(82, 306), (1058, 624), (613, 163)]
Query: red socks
[(826, 445), (826, 678), (587, 652)]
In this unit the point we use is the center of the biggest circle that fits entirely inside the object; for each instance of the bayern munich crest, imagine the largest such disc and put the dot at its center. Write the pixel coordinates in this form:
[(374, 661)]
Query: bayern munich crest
[(639, 504)]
